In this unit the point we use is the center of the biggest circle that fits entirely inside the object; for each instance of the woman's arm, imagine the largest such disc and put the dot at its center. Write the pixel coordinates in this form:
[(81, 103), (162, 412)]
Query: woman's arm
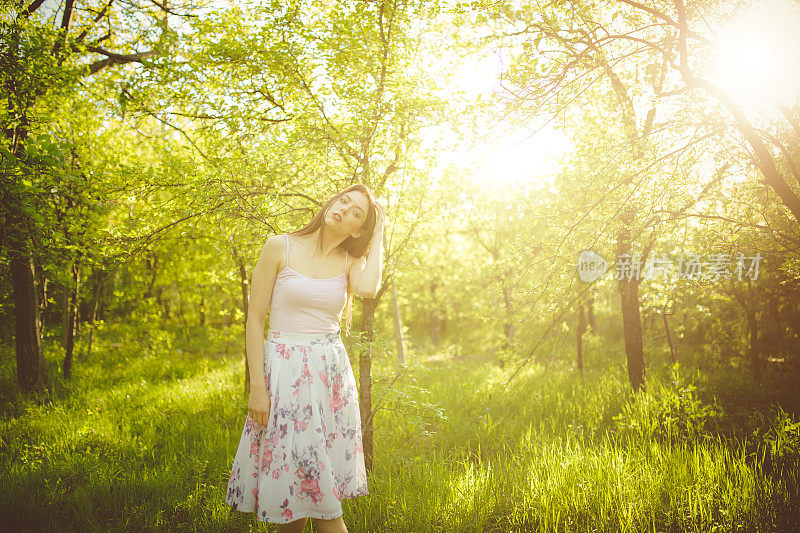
[(263, 280), (365, 275)]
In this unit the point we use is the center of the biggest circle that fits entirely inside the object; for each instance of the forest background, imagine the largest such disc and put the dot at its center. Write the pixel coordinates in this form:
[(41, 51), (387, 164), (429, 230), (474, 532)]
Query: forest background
[(150, 147)]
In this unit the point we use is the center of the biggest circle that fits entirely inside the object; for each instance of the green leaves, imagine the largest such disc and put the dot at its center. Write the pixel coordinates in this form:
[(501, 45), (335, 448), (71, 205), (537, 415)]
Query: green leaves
[(671, 413), (8, 158)]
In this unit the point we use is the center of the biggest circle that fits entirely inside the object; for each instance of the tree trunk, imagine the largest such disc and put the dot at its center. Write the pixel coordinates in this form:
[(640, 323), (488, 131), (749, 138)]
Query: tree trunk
[(754, 350), (763, 159), (632, 329), (152, 268), (685, 336), (98, 290), (579, 336), (165, 310), (244, 286), (43, 304), (631, 319), (398, 328), (672, 351), (508, 329), (102, 305), (201, 309), (365, 377), (435, 321), (65, 312), (31, 372), (185, 323), (72, 319), (777, 339)]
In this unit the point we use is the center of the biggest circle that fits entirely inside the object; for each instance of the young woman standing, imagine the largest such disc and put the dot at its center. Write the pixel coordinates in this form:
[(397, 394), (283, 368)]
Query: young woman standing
[(300, 451)]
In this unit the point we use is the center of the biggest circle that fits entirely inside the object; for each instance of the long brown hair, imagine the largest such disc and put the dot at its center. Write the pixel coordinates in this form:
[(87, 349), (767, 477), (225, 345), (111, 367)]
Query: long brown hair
[(354, 247)]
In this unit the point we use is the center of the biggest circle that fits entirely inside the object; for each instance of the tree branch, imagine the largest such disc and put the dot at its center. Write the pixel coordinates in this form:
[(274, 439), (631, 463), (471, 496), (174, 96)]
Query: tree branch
[(85, 32), (163, 7), (66, 20), (330, 124), (737, 222), (666, 18), (178, 129), (789, 115), (36, 4), (114, 58), (765, 161), (785, 151)]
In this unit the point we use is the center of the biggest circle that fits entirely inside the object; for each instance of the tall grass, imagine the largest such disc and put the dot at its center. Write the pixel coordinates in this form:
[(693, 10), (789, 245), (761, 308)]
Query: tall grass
[(144, 436)]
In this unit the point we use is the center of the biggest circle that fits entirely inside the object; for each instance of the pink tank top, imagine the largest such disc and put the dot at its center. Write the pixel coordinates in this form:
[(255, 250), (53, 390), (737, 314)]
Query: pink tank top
[(301, 304)]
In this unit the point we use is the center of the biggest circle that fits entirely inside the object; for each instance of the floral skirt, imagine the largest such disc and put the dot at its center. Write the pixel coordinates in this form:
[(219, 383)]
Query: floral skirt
[(309, 457)]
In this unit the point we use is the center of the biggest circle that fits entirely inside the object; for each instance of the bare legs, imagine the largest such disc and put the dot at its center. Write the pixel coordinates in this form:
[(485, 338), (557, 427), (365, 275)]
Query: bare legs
[(323, 526), (293, 527), (330, 526)]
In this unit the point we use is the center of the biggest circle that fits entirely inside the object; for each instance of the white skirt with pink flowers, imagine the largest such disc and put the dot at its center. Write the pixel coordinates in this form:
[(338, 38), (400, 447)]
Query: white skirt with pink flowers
[(309, 457)]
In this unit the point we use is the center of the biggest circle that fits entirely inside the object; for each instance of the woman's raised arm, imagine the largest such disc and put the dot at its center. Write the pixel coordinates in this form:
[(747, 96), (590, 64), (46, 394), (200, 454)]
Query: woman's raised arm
[(365, 275)]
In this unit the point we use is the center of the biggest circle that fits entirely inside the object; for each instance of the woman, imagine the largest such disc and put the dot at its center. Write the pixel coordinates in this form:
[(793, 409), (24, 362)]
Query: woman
[(300, 452)]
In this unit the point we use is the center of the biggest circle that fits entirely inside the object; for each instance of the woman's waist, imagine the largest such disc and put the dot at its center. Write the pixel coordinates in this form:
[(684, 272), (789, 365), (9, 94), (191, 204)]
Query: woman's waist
[(287, 337)]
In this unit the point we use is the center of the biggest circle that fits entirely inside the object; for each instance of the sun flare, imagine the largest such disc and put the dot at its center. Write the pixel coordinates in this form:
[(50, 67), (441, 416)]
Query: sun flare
[(522, 158), (516, 158), (756, 58)]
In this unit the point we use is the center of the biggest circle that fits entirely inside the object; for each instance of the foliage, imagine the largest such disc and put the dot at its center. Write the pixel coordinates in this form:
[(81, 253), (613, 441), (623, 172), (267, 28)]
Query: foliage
[(144, 435), (161, 177), (670, 413), (777, 437)]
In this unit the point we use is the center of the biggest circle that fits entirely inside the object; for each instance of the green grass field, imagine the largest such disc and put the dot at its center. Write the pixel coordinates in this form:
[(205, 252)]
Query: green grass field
[(144, 436)]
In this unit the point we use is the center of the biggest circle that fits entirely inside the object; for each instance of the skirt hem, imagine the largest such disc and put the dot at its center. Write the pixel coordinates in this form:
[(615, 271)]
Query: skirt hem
[(302, 514)]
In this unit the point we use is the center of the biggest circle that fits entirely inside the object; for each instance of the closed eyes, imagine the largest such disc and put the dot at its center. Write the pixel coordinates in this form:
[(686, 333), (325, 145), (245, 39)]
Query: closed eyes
[(346, 201)]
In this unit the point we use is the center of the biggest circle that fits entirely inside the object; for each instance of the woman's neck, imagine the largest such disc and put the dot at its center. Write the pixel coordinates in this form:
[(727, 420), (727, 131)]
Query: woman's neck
[(330, 241)]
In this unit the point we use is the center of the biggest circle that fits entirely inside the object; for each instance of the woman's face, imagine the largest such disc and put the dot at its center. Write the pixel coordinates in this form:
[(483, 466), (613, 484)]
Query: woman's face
[(348, 213)]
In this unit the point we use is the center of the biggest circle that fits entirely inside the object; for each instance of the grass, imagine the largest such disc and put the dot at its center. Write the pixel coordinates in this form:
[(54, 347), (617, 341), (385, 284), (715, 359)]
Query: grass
[(143, 437)]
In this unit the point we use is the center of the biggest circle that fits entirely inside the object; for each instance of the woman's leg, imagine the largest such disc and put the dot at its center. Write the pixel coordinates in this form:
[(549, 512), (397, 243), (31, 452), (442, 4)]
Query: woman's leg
[(293, 527), (330, 526)]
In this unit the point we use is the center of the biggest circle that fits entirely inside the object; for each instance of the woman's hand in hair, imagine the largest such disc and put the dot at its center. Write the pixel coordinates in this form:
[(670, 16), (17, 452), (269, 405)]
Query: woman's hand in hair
[(380, 219)]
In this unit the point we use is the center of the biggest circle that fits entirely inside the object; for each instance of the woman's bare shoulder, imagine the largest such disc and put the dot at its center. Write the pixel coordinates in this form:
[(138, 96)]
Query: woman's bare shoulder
[(276, 240), (275, 246)]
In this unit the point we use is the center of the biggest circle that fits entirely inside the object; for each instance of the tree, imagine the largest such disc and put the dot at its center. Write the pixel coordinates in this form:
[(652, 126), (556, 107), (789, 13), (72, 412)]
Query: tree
[(361, 121), (564, 55), (41, 65)]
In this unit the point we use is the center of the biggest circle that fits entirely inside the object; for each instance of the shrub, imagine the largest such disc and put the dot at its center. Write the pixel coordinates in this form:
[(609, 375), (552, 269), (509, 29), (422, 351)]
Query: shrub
[(777, 437), (667, 412)]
